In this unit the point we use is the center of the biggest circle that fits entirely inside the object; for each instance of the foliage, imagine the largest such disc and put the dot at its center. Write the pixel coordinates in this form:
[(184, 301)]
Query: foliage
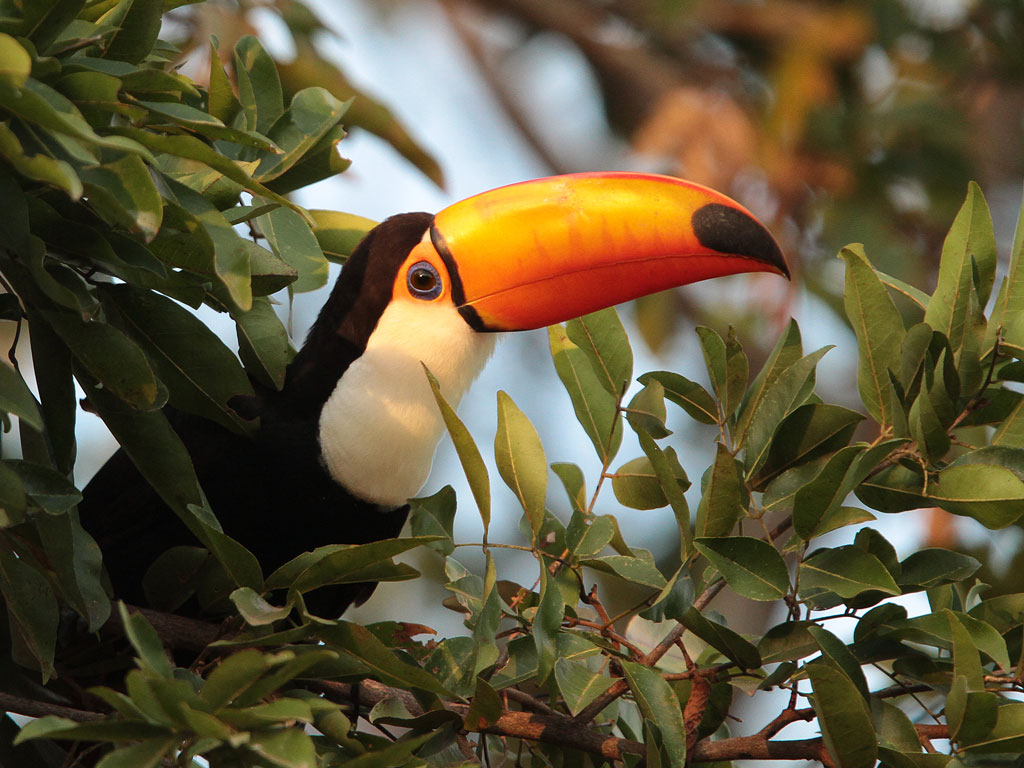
[(124, 183)]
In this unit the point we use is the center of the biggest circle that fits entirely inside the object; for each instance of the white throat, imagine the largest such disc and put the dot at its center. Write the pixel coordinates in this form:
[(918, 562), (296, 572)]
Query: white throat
[(381, 426)]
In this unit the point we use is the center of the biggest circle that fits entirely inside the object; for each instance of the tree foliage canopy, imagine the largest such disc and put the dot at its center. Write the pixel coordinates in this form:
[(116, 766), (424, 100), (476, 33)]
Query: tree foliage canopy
[(132, 192)]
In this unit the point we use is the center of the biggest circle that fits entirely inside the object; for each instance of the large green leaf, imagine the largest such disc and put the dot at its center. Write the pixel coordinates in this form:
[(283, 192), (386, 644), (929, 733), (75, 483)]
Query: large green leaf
[(843, 716), (812, 430), (602, 338), (688, 395), (879, 330), (788, 349), (259, 86), (595, 407), (31, 609), (847, 571), (658, 704), (313, 112), (520, 458), (724, 496), (753, 568), (339, 233), (17, 399), (292, 240), (263, 343), (969, 248), (135, 25)]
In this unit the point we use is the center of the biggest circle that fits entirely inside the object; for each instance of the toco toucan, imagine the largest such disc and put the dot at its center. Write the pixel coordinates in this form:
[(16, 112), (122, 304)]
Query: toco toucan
[(352, 433)]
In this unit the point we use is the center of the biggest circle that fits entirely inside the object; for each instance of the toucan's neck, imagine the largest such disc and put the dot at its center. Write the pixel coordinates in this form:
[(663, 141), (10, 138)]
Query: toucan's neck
[(381, 425)]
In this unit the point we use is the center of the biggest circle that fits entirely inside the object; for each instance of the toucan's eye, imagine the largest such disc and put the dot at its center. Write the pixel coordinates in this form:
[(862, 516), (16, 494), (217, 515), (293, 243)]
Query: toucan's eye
[(423, 281)]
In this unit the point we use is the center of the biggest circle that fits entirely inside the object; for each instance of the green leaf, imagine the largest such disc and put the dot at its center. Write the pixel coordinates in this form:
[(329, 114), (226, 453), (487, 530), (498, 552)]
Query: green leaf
[(879, 330), (361, 644), (843, 716), (822, 496), (12, 498), (259, 86), (933, 629), (732, 645), (646, 411), (838, 655), (146, 754), (221, 99), (293, 241), (152, 657), (933, 567), (578, 684), (313, 112), (31, 609), (287, 748), (1003, 612), (847, 571), (688, 395), (74, 555), (136, 24), (520, 458), (15, 62), (596, 409), (263, 343), (17, 399), (919, 297), (788, 349), (255, 609), (340, 563), (434, 516), (485, 708), (339, 233), (658, 704), (123, 193), (40, 167), (637, 486), (787, 392), (969, 246), (673, 482), (574, 482), (1008, 313), (469, 455), (202, 123), (753, 568), (811, 431), (992, 495), (1007, 737), (45, 19), (724, 496), (201, 373), (321, 161), (639, 569), (603, 340)]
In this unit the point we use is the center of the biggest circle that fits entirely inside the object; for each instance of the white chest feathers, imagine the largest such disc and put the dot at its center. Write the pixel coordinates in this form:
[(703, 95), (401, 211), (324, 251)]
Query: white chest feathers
[(380, 427)]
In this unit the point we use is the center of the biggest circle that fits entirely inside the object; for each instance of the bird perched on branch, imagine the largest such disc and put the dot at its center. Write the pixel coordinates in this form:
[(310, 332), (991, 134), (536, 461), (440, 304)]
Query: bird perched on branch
[(352, 433)]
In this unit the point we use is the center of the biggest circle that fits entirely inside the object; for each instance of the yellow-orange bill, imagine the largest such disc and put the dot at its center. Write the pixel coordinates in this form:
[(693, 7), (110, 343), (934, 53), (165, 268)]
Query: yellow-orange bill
[(544, 251)]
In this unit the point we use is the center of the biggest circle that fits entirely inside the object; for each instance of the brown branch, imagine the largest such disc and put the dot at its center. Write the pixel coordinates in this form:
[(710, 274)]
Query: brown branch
[(32, 708)]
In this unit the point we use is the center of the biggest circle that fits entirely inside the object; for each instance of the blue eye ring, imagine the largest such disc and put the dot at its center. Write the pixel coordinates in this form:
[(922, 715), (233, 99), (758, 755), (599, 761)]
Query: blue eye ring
[(424, 281)]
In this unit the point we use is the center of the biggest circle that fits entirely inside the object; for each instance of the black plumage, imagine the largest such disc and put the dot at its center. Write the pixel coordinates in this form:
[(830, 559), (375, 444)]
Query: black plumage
[(272, 493)]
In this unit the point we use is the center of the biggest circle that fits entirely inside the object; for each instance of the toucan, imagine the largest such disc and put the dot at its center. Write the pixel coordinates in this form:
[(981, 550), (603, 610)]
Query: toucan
[(351, 435)]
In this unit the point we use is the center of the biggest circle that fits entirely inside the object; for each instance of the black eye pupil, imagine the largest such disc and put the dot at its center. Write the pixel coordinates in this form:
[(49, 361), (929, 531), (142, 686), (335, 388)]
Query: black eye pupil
[(422, 280)]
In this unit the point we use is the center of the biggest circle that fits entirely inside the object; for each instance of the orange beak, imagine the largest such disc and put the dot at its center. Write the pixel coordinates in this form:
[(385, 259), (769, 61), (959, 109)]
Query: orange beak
[(540, 252)]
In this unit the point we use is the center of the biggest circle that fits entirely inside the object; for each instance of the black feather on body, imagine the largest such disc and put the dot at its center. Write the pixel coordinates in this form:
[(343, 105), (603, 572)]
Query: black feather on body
[(273, 494)]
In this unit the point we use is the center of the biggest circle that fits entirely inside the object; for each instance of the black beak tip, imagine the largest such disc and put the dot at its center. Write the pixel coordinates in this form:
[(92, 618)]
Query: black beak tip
[(730, 230)]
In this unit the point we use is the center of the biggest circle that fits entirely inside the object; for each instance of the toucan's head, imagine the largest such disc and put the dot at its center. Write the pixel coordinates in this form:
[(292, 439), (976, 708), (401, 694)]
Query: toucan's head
[(433, 289)]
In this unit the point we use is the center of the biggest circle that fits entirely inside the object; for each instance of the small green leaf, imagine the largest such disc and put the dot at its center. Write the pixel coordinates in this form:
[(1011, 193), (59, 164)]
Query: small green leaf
[(787, 392), (596, 409), (788, 349), (135, 25), (821, 496), (732, 645), (639, 569), (992, 495), (688, 395), (312, 114), (753, 568), (293, 241), (636, 485), (673, 482), (434, 516), (646, 411), (152, 657), (146, 754), (810, 431), (933, 567), (969, 246), (263, 343), (1008, 313), (836, 653), (520, 458)]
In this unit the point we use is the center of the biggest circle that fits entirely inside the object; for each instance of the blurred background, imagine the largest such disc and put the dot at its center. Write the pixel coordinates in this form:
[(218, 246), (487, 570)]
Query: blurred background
[(834, 122)]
